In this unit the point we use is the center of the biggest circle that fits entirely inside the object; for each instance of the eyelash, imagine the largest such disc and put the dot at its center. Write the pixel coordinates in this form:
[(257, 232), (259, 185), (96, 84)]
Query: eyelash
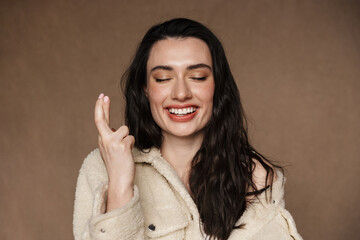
[(200, 78), (165, 79), (162, 80)]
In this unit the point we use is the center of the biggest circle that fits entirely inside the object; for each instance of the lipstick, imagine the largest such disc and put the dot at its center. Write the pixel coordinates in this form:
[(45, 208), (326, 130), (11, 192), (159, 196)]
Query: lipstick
[(182, 113)]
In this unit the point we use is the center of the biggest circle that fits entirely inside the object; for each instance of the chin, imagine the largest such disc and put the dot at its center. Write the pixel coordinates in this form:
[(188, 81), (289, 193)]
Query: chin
[(186, 133), (180, 133)]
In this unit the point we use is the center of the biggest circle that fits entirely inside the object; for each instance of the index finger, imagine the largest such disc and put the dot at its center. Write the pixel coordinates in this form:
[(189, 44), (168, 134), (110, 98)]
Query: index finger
[(100, 120)]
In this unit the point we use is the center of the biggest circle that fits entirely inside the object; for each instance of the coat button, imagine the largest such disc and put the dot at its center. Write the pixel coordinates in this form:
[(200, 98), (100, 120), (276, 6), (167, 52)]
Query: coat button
[(151, 227)]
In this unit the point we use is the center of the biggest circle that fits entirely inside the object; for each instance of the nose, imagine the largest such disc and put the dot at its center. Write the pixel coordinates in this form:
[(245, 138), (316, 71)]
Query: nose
[(181, 90)]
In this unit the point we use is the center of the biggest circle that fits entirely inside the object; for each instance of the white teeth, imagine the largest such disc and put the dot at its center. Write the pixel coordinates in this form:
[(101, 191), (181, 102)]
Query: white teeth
[(182, 111)]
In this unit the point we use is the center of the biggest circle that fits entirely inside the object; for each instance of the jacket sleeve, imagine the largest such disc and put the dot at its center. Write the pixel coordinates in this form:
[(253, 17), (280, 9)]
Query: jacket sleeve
[(281, 227), (90, 221), (274, 225)]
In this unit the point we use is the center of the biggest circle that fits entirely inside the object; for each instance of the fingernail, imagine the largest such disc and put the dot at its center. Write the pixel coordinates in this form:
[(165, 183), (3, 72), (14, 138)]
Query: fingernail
[(106, 99), (101, 95)]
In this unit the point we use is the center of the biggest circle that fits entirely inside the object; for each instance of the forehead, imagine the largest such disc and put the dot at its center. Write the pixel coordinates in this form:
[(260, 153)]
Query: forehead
[(179, 52)]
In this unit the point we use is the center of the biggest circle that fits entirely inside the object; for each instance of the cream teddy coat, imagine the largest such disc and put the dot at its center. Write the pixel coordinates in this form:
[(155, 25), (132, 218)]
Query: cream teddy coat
[(162, 208)]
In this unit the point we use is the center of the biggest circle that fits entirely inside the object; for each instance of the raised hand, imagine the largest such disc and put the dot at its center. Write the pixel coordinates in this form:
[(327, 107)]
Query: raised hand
[(116, 151)]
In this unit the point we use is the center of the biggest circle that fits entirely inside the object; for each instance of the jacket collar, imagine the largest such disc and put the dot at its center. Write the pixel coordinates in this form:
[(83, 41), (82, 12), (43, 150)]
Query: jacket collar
[(153, 157), (257, 214)]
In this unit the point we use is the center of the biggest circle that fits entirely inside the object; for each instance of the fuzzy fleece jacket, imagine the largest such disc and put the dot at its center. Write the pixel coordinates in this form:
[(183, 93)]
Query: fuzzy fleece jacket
[(162, 208)]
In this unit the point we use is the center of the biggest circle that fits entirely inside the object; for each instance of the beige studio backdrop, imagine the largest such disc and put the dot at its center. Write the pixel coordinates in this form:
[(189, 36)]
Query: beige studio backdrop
[(297, 65)]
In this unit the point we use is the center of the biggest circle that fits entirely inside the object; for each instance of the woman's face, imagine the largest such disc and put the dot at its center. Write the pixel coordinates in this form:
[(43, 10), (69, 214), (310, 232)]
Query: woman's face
[(180, 85)]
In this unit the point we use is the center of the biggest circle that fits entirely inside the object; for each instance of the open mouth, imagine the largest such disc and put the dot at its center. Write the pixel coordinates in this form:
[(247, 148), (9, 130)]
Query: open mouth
[(182, 111)]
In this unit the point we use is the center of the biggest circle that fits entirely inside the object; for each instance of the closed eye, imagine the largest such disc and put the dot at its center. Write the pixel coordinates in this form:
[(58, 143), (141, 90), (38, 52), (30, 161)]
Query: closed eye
[(199, 78), (161, 79)]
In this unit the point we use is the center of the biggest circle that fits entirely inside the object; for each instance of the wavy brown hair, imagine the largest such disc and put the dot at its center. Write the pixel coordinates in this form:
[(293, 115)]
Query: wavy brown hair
[(222, 169)]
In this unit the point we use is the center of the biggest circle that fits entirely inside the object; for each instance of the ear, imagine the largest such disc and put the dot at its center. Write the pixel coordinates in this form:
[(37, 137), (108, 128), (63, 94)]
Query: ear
[(146, 91)]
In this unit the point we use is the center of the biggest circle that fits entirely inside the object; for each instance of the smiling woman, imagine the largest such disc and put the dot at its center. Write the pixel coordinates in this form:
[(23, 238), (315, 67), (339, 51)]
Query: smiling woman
[(197, 176), (180, 86)]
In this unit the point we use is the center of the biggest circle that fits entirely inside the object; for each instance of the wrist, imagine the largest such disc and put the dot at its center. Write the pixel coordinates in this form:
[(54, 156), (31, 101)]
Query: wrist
[(120, 189), (118, 196)]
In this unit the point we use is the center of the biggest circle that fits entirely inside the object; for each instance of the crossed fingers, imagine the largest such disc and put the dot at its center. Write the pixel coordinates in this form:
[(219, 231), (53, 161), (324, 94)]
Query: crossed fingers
[(102, 120)]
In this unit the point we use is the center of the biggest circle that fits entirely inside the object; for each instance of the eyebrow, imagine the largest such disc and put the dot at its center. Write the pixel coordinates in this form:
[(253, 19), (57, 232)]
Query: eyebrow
[(191, 67)]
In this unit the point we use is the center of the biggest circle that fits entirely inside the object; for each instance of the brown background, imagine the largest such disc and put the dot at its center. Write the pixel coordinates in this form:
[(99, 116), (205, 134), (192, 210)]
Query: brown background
[(296, 64)]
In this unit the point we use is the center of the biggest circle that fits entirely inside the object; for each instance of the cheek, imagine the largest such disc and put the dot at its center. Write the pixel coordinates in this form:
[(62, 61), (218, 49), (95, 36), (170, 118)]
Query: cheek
[(156, 96), (206, 93)]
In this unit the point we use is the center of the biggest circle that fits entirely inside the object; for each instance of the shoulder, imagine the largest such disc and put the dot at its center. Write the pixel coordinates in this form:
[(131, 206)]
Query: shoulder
[(93, 160), (260, 175), (93, 166), (273, 182)]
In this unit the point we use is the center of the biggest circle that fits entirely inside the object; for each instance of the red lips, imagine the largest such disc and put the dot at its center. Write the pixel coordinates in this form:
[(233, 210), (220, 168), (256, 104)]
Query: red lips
[(181, 106), (181, 118)]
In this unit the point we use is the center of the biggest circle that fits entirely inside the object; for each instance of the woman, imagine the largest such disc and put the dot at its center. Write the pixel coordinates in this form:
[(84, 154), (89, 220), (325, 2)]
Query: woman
[(196, 174)]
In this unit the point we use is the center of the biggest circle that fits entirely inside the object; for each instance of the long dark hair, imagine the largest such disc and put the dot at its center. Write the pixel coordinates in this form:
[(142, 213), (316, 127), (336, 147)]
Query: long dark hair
[(222, 169)]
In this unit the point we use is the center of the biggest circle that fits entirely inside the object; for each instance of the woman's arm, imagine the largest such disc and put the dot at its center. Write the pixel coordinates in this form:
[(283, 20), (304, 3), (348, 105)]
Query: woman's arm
[(90, 219), (116, 151), (108, 207)]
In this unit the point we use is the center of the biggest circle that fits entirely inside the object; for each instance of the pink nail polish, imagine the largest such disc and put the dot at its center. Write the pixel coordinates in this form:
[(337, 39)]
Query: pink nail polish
[(101, 95), (106, 99)]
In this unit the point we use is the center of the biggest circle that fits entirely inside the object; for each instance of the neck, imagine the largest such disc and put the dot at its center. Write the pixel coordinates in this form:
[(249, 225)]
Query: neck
[(179, 152)]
